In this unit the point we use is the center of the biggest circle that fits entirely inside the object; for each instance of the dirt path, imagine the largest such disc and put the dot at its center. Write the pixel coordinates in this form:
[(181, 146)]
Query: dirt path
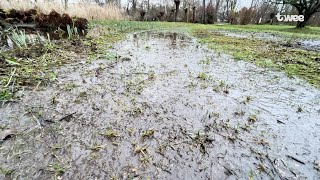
[(167, 109)]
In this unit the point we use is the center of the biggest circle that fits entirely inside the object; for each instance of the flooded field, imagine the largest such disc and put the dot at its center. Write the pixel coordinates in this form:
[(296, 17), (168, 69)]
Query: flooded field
[(307, 44), (166, 108)]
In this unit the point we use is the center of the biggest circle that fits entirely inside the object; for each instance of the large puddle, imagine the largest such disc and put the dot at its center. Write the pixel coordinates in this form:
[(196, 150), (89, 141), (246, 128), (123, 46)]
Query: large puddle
[(168, 108), (307, 44)]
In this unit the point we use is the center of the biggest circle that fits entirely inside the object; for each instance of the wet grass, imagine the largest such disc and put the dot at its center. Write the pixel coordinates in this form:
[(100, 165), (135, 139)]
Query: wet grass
[(148, 133), (293, 61), (57, 168), (29, 66), (284, 30), (133, 26), (32, 65), (110, 133), (5, 95), (143, 137)]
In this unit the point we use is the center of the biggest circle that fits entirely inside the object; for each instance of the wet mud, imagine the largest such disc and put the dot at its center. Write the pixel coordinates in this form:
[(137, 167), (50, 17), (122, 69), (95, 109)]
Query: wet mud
[(166, 108)]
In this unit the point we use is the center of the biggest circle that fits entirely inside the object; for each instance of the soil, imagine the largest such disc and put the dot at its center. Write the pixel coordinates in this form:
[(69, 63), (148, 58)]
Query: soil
[(166, 108)]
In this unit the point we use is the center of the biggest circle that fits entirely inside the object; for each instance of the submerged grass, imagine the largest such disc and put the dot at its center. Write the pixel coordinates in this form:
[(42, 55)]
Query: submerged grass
[(282, 30), (34, 64), (264, 53), (269, 54)]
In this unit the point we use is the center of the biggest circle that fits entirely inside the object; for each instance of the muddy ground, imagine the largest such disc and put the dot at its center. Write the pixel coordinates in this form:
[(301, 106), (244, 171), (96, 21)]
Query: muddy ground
[(166, 108)]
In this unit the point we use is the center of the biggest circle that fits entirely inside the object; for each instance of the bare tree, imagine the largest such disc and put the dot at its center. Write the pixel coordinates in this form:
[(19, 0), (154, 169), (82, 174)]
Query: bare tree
[(188, 14), (304, 7), (65, 4), (134, 6), (204, 12), (177, 3), (193, 14), (227, 10), (210, 13), (264, 10), (216, 11)]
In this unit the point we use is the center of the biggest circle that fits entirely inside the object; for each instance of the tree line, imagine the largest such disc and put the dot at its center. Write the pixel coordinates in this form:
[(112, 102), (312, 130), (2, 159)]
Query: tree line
[(204, 11), (211, 11)]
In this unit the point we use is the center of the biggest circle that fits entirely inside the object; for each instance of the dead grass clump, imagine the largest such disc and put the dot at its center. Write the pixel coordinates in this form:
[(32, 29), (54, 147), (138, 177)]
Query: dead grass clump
[(54, 20), (18, 15), (83, 10)]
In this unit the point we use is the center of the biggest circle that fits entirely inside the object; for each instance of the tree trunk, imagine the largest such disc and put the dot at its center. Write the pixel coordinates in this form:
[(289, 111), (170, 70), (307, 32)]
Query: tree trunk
[(177, 2), (65, 4), (134, 6), (216, 11), (188, 12), (227, 12), (204, 12), (193, 14), (303, 23), (186, 15)]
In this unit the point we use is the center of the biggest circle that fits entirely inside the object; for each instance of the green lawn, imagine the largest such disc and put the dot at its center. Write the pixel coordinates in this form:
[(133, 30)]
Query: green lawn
[(308, 32), (285, 30)]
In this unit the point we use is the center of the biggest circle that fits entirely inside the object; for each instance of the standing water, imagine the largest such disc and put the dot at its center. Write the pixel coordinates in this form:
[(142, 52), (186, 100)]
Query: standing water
[(167, 109)]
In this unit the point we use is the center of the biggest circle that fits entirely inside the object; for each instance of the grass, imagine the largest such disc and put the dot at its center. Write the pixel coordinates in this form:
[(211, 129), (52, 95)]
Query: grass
[(268, 54), (284, 30), (57, 168), (252, 118), (6, 172), (148, 133), (202, 76), (110, 133), (5, 95), (33, 64), (134, 26), (19, 38), (281, 30), (129, 26), (28, 66)]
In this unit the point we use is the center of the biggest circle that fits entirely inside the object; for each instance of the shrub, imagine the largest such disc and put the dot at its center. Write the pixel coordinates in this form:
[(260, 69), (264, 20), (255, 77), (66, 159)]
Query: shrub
[(245, 15)]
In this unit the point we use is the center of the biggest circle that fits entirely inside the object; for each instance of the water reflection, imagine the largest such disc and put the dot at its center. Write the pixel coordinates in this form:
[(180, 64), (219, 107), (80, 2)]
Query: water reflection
[(176, 40)]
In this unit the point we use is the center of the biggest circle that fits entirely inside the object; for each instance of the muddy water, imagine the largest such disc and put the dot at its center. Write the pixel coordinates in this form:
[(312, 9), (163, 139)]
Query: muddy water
[(168, 108), (311, 44)]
